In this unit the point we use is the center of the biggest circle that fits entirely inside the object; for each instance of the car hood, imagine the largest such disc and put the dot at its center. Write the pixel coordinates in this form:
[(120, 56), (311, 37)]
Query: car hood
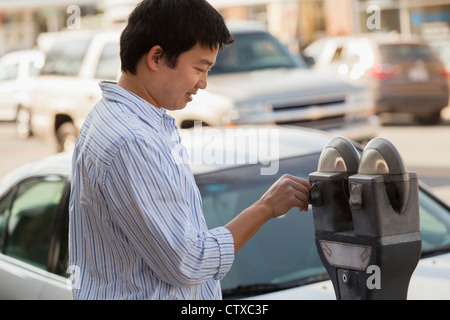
[(430, 281), (277, 83)]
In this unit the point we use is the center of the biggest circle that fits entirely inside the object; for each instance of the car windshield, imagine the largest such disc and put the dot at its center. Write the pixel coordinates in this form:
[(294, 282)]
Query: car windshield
[(254, 51), (65, 57), (405, 52), (283, 253)]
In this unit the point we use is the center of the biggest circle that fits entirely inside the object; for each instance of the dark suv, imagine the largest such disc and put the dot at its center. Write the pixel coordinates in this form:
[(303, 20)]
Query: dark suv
[(405, 76)]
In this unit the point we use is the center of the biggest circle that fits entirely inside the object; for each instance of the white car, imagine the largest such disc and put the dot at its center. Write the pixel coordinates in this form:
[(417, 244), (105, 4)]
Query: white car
[(18, 72), (232, 168), (67, 87)]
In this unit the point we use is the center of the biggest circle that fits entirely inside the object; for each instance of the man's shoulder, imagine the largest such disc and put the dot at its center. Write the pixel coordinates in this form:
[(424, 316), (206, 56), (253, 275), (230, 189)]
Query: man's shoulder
[(105, 135)]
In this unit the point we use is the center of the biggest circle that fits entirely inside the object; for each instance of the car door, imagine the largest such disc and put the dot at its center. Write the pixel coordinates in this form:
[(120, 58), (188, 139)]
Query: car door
[(28, 213)]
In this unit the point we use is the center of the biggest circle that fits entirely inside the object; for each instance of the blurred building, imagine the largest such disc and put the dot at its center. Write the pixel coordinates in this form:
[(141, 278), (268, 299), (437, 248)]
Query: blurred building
[(21, 21), (427, 18), (295, 22), (302, 21), (115, 11)]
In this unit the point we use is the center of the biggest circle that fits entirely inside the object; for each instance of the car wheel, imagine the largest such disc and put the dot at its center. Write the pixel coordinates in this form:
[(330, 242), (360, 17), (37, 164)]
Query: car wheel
[(429, 119), (66, 136), (23, 123)]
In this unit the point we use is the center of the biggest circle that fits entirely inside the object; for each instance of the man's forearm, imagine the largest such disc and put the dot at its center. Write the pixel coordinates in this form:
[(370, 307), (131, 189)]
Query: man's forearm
[(245, 225)]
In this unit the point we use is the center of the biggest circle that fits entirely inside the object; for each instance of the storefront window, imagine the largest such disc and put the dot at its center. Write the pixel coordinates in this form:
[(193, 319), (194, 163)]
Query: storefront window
[(431, 22)]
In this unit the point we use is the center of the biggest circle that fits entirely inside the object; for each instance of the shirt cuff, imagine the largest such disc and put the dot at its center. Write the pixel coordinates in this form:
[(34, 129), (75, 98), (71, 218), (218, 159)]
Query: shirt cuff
[(226, 247)]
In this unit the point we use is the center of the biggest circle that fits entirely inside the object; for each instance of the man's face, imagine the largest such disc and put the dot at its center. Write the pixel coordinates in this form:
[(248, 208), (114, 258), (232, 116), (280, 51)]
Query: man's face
[(178, 85)]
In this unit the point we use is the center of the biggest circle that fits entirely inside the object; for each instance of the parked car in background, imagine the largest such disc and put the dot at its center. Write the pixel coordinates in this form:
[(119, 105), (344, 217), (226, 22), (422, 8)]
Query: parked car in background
[(264, 83), (280, 262), (18, 72), (405, 76), (67, 87), (443, 50), (255, 81)]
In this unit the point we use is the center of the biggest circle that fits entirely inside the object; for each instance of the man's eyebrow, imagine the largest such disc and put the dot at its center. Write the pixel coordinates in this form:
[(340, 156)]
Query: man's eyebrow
[(207, 62)]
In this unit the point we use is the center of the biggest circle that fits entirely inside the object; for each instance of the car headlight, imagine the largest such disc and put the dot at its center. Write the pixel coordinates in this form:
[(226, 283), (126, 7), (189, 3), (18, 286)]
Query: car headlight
[(244, 109)]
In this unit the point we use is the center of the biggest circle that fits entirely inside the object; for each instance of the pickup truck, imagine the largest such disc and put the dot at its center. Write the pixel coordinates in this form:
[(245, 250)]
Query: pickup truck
[(255, 81)]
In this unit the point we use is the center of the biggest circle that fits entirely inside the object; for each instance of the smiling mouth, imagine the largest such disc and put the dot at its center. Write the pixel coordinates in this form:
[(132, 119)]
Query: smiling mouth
[(191, 95)]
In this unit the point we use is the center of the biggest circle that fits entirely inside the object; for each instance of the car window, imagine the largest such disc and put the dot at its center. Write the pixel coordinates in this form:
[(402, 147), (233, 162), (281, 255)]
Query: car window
[(5, 206), (337, 54), (65, 57), (434, 224), (109, 63), (283, 251), (254, 51), (30, 219), (405, 52), (9, 72), (34, 68)]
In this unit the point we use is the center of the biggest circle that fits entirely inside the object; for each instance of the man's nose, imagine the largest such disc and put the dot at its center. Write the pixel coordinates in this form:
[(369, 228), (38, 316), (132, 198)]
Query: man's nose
[(203, 82)]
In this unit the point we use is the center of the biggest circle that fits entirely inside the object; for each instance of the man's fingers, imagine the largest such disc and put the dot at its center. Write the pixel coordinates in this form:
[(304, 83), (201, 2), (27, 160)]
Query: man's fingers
[(301, 189)]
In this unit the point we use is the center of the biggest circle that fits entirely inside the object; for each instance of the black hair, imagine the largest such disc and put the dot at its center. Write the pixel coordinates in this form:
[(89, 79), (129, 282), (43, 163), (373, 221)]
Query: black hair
[(175, 25)]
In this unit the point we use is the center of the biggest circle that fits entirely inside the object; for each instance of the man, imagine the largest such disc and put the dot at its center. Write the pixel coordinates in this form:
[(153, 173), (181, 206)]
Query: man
[(137, 230)]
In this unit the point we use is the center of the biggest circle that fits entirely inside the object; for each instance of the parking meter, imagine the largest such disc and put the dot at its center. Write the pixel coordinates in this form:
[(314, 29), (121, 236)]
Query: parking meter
[(329, 186), (370, 244)]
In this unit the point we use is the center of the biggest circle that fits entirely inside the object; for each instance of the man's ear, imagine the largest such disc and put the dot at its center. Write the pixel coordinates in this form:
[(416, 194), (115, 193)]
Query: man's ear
[(153, 58)]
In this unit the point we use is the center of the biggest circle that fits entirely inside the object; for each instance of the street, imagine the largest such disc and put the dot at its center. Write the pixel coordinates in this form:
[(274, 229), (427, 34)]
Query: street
[(425, 149)]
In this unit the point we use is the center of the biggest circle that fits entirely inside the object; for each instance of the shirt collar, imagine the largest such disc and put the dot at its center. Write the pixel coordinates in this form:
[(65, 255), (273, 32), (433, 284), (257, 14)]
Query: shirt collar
[(143, 109)]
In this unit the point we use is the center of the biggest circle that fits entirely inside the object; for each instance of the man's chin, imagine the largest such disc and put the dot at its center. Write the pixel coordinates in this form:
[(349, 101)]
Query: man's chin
[(177, 107)]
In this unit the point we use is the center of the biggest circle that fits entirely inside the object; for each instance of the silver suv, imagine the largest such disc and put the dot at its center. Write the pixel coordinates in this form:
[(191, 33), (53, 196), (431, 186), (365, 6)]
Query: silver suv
[(265, 83), (255, 81)]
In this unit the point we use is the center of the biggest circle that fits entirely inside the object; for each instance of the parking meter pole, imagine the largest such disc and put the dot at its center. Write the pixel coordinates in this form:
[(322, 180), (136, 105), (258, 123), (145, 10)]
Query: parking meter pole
[(369, 242)]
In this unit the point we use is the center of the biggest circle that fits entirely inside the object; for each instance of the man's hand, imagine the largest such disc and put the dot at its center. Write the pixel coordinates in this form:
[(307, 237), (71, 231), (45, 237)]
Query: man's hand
[(286, 193)]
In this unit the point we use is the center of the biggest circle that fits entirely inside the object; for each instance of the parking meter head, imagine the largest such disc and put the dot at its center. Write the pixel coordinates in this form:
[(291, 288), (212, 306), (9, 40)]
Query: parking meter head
[(329, 186), (339, 155), (381, 157)]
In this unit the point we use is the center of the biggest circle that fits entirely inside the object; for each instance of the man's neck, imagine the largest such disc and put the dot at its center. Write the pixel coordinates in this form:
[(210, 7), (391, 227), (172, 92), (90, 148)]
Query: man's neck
[(133, 84)]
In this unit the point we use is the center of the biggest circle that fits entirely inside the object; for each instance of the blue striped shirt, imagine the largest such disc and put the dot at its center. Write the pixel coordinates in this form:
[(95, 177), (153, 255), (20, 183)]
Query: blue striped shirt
[(137, 229)]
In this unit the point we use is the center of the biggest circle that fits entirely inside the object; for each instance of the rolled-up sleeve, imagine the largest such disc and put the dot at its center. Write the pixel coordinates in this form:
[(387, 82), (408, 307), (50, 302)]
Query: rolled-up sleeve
[(226, 246), (161, 220)]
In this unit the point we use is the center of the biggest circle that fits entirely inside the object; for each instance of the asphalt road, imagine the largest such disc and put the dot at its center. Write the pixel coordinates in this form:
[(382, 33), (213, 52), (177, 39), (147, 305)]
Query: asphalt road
[(425, 149), (15, 152)]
